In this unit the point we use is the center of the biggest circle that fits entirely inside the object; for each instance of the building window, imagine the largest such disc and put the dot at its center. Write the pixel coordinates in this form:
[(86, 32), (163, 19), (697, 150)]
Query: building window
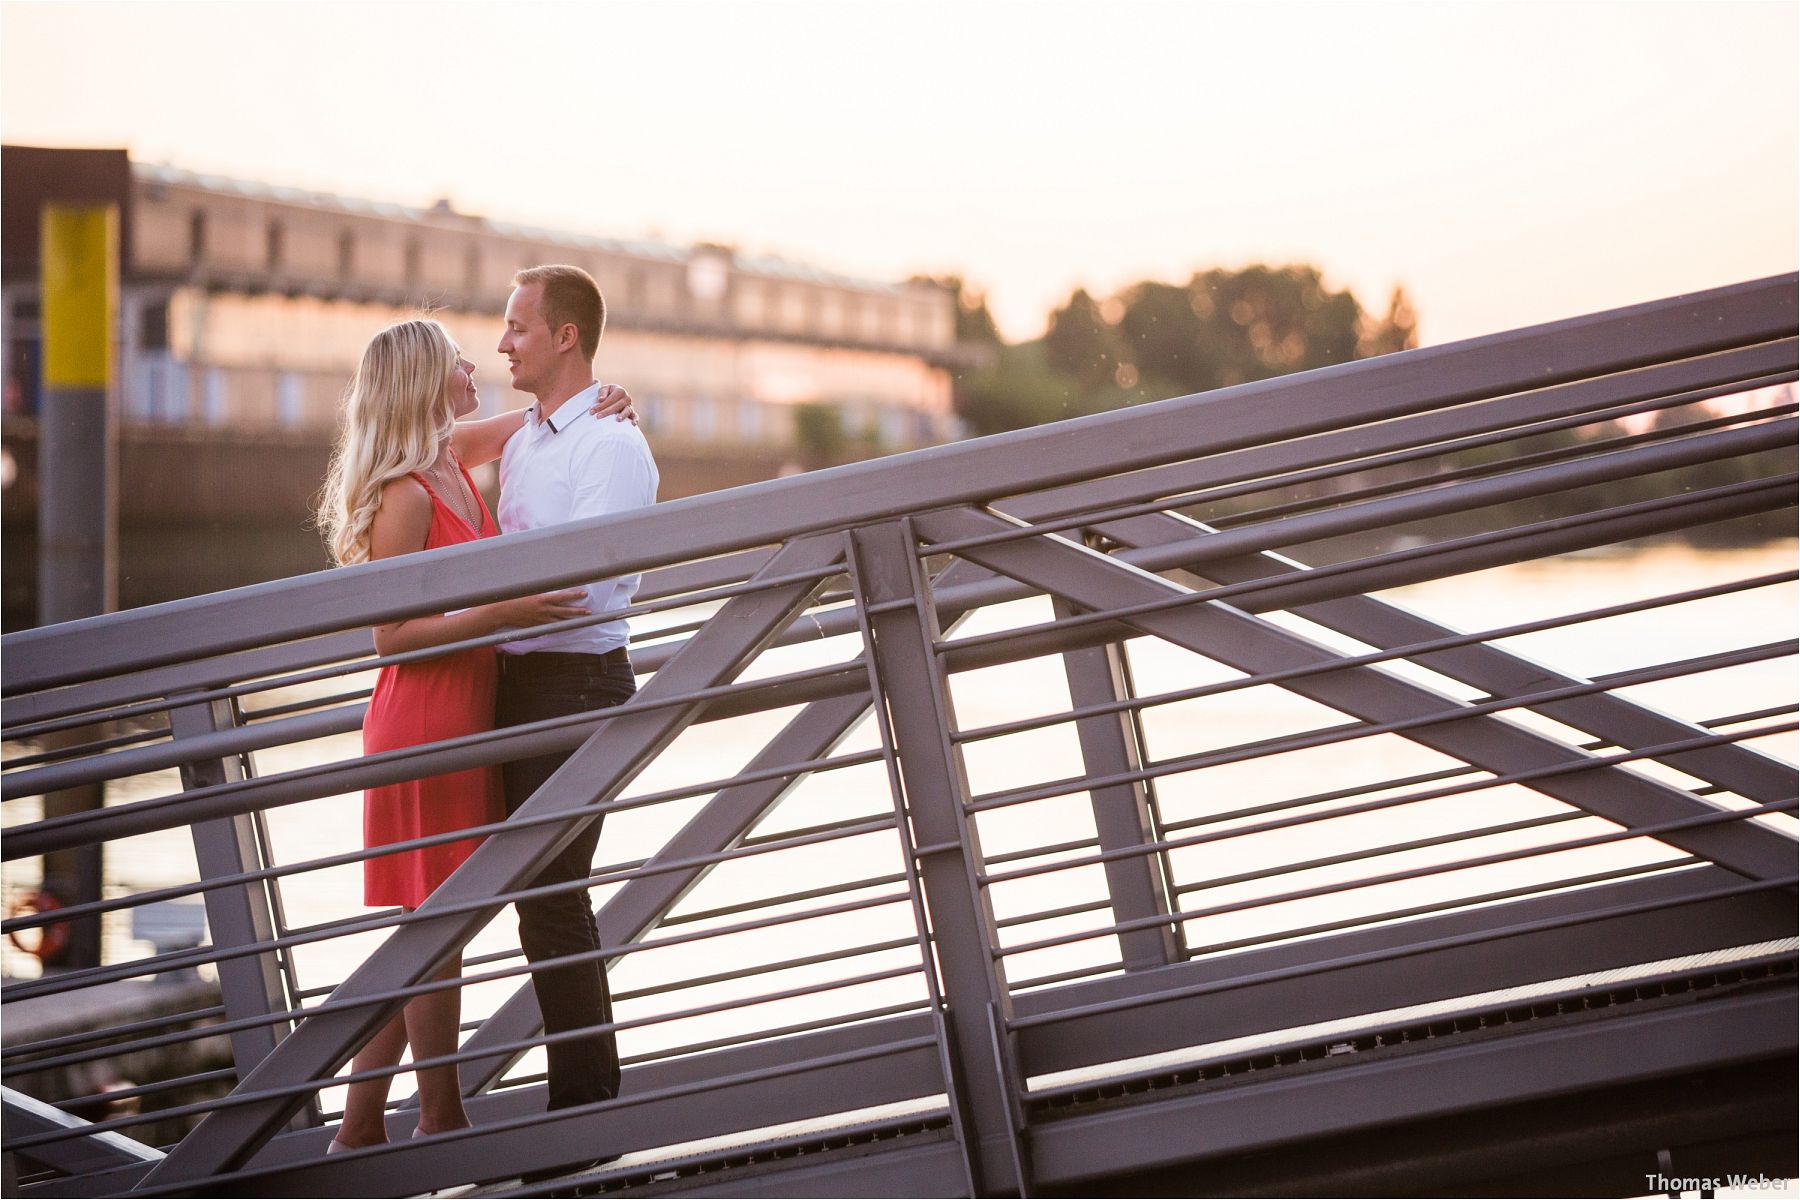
[(290, 399), (412, 262), (196, 237), (153, 326), (346, 255), (212, 397), (274, 245), (169, 394)]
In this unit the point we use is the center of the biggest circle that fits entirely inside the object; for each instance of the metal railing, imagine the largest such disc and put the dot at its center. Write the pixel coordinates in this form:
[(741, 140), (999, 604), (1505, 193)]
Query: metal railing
[(1019, 877)]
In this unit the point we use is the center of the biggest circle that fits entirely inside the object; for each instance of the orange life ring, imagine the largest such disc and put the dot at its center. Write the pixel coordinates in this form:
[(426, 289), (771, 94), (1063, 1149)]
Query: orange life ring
[(52, 940)]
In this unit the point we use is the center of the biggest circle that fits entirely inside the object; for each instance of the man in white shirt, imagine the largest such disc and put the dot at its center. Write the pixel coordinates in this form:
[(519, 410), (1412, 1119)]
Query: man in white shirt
[(565, 464)]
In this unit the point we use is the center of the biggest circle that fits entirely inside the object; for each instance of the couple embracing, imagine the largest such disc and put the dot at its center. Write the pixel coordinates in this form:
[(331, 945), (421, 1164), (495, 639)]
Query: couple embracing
[(399, 483)]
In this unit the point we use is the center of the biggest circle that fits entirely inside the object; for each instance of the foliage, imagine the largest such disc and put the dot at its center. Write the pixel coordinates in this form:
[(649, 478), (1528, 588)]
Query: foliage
[(819, 433), (1153, 340), (1017, 388)]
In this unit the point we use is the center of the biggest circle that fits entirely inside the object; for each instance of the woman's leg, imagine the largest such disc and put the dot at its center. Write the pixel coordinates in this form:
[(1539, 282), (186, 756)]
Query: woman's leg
[(365, 1109), (432, 1022)]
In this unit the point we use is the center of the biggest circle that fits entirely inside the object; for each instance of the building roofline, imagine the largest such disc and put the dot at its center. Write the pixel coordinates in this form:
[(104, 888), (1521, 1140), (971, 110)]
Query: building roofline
[(768, 266)]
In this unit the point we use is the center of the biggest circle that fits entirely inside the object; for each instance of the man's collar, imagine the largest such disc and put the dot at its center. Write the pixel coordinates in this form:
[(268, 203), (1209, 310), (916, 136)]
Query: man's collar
[(573, 407)]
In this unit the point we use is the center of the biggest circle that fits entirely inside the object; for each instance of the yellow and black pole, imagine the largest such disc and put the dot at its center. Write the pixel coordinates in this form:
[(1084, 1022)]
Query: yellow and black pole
[(77, 473)]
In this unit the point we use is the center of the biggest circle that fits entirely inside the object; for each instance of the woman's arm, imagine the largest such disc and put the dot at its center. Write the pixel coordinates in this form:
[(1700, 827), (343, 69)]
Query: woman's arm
[(401, 526), (477, 442)]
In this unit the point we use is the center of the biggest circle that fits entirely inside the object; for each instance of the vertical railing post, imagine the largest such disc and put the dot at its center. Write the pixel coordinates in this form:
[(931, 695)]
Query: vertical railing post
[(903, 621), (1111, 745), (238, 914)]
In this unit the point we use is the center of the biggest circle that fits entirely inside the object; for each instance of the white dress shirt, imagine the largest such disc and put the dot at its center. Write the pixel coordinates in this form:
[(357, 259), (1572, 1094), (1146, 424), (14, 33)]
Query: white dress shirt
[(568, 467)]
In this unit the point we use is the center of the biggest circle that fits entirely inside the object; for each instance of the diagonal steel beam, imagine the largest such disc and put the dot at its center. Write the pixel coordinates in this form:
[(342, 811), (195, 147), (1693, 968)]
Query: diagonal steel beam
[(643, 901), (26, 1115), (1496, 671), (637, 906), (1250, 644), (597, 772)]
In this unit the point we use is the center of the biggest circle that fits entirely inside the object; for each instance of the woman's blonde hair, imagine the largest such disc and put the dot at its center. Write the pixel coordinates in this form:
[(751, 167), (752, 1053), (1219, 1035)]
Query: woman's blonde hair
[(397, 411)]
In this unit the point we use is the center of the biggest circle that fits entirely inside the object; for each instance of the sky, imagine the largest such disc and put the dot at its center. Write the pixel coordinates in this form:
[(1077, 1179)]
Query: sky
[(1505, 163)]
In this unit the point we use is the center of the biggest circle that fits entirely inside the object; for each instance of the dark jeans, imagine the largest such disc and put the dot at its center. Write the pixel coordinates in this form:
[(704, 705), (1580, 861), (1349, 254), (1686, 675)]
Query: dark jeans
[(532, 688)]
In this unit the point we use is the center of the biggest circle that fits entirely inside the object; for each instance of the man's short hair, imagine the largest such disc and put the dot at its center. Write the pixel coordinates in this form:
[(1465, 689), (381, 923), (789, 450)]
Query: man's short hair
[(570, 297)]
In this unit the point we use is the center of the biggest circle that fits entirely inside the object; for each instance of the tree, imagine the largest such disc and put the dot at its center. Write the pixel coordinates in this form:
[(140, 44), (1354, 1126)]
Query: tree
[(1163, 336), (1266, 321), (1019, 388), (819, 433), (1081, 344), (1398, 330)]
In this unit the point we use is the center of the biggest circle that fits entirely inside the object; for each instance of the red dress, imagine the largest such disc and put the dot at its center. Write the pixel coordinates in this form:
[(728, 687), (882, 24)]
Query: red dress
[(421, 702)]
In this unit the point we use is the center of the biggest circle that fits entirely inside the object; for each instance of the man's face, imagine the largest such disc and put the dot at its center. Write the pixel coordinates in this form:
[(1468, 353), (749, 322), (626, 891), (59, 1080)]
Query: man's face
[(527, 343)]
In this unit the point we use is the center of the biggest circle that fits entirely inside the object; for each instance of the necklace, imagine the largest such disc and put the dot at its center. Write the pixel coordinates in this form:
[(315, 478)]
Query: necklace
[(456, 492)]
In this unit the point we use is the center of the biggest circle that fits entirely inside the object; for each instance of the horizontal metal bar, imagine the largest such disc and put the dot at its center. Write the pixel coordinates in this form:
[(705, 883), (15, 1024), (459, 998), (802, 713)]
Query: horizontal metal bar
[(439, 985), (1040, 851), (426, 654), (68, 981), (477, 749), (1382, 514), (1462, 789), (1331, 735), (1279, 591), (1483, 860), (115, 1095), (202, 671), (297, 729), (1410, 912), (765, 1035), (1388, 849), (726, 910), (765, 968), (1603, 397), (816, 766), (1193, 498), (1692, 923), (1068, 910), (282, 710), (121, 764), (242, 1097), (1148, 435), (1376, 573), (1169, 827), (359, 1161), (1484, 470), (1387, 916), (220, 670), (1137, 703), (190, 1017), (1393, 953), (75, 751)]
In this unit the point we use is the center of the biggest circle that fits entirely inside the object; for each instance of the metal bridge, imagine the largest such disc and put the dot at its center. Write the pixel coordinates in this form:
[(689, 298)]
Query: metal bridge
[(1548, 944)]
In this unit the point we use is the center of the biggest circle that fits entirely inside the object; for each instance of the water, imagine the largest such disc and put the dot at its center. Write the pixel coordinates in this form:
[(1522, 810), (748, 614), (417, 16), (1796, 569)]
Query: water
[(1489, 599)]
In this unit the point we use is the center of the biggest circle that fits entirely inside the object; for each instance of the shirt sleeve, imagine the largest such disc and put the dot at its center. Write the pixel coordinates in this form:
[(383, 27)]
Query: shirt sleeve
[(612, 475)]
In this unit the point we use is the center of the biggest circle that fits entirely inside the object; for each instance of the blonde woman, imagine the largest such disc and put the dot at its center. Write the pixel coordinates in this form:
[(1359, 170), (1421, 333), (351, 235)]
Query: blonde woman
[(399, 482)]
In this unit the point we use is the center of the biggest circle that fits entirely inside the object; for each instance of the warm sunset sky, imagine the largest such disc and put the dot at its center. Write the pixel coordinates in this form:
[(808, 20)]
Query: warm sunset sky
[(1506, 162)]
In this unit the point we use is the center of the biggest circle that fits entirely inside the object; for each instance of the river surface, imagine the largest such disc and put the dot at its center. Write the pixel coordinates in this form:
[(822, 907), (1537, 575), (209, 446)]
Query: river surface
[(1489, 599)]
